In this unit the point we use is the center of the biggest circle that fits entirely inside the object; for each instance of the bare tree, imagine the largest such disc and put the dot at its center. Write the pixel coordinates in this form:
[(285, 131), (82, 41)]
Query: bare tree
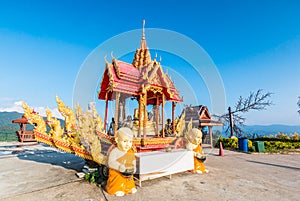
[(233, 120), (298, 103)]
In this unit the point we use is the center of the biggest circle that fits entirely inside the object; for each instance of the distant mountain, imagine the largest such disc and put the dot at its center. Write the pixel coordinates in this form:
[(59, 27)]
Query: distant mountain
[(5, 121), (6, 124), (5, 117), (270, 129)]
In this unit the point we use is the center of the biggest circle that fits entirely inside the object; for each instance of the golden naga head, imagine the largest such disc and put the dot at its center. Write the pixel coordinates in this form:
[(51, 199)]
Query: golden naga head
[(60, 103), (48, 112), (49, 115), (27, 110)]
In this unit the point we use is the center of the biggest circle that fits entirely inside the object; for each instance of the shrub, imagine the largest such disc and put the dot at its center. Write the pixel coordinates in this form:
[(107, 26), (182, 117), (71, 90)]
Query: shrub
[(227, 143), (282, 136), (232, 143), (294, 136), (250, 144), (93, 177), (278, 143), (274, 146)]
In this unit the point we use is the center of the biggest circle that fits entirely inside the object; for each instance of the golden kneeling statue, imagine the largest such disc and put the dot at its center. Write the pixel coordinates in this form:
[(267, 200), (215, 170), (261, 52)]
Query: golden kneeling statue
[(122, 165), (194, 141)]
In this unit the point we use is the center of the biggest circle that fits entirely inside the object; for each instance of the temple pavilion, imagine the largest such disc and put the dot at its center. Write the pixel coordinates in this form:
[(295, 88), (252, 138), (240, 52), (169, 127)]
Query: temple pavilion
[(24, 135), (201, 118), (142, 80)]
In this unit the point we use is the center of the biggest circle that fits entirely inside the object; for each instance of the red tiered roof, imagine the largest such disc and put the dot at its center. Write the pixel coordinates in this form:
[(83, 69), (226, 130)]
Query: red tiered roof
[(123, 77)]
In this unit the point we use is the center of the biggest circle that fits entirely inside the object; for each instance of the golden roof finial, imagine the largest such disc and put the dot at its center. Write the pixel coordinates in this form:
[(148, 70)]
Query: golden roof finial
[(143, 42), (143, 33)]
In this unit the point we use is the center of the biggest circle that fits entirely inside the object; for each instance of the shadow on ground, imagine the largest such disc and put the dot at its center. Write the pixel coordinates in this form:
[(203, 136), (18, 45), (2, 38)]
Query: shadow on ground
[(66, 160), (276, 165)]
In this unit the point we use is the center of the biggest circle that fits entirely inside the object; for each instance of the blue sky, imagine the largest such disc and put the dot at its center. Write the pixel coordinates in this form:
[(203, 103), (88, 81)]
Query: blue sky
[(253, 45)]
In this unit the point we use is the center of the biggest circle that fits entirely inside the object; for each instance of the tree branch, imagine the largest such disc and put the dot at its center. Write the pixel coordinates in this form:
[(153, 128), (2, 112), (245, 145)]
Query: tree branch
[(255, 101), (298, 103)]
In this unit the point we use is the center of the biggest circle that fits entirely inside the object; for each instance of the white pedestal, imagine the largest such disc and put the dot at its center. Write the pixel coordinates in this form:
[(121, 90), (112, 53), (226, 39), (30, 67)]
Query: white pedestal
[(151, 165)]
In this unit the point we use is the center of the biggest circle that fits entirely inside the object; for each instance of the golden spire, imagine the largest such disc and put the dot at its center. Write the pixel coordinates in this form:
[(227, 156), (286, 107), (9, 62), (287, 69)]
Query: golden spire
[(142, 56), (143, 42)]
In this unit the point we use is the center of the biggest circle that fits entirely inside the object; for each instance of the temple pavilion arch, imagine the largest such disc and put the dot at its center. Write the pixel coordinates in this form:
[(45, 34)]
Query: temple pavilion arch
[(144, 81)]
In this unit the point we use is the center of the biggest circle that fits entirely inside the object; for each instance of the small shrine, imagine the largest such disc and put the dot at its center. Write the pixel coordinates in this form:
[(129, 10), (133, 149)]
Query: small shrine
[(201, 118), (144, 81), (23, 134)]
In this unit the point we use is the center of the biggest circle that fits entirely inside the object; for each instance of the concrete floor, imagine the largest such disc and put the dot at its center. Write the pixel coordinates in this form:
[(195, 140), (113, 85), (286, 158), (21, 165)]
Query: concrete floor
[(38, 172)]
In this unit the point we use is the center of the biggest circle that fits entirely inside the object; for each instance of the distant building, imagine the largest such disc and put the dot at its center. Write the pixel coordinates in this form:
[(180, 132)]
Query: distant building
[(201, 119)]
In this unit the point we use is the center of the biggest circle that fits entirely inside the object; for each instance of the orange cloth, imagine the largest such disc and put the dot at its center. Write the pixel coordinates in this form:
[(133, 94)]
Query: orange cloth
[(198, 165), (117, 181)]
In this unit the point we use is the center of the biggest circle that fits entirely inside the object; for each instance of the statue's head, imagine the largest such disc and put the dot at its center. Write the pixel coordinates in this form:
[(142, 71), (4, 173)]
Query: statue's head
[(124, 138), (194, 136)]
